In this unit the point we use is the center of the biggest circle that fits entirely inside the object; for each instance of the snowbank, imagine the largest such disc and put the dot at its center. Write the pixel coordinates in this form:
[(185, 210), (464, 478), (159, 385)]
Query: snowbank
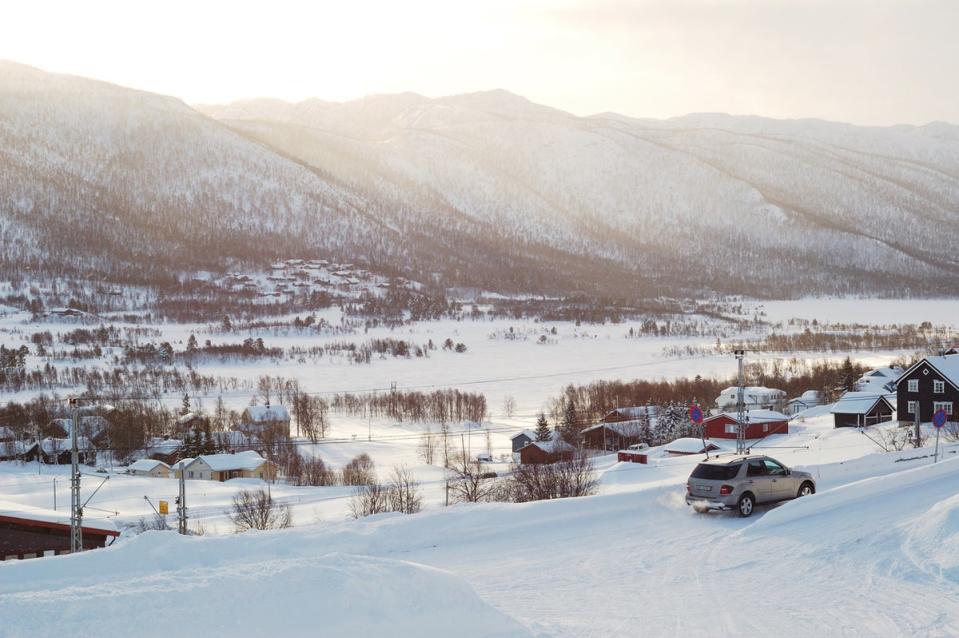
[(266, 593)]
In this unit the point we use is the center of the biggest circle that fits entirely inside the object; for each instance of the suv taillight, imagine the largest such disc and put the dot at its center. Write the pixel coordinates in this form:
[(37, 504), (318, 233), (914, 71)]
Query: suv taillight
[(689, 488), (725, 490)]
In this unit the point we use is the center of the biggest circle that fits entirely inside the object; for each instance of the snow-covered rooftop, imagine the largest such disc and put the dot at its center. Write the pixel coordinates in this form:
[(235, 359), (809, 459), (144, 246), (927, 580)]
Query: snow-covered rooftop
[(259, 413), (947, 365), (248, 460), (146, 465), (756, 416), (29, 513), (857, 403), (689, 445)]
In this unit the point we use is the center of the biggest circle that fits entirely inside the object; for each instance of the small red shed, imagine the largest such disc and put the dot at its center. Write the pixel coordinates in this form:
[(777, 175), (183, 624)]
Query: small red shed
[(759, 424)]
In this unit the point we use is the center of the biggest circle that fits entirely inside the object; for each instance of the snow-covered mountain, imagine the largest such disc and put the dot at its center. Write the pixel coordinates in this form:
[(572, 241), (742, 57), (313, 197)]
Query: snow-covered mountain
[(486, 189), (708, 200)]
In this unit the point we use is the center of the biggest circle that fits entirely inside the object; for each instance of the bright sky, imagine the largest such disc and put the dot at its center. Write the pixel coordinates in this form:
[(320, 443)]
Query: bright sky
[(863, 61)]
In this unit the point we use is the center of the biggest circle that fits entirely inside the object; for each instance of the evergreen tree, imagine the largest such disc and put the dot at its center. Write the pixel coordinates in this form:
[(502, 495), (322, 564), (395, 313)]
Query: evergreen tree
[(191, 344), (207, 446), (645, 431), (190, 447), (543, 433), (185, 407), (569, 416), (848, 375)]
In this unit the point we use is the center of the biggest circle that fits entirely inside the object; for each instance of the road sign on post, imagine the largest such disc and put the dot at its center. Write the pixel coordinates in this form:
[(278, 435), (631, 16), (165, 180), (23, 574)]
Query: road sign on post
[(939, 420), (695, 414), (164, 507)]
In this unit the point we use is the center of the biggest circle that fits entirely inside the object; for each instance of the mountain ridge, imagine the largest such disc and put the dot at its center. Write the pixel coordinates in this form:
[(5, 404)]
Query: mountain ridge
[(485, 189)]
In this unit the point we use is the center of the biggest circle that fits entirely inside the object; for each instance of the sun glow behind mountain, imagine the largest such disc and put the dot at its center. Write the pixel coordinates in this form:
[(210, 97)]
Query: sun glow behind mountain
[(849, 60)]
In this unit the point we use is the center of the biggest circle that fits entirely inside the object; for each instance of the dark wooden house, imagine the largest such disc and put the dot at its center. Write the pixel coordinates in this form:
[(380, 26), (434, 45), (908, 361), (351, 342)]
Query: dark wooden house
[(33, 532), (539, 452), (611, 436), (522, 439), (861, 409), (927, 386)]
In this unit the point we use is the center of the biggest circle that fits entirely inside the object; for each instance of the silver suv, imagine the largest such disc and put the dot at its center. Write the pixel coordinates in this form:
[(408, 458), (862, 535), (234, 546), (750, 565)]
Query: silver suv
[(741, 482)]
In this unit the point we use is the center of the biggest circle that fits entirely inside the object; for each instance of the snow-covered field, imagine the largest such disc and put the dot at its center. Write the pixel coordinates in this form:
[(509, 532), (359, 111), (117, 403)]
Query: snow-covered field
[(872, 554), (497, 363)]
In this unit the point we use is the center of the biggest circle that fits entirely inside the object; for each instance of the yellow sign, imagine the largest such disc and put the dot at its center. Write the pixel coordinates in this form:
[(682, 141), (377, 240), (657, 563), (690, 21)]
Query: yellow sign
[(164, 507)]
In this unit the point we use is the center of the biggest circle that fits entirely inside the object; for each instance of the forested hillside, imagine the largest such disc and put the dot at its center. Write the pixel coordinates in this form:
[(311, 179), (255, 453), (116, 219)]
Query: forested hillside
[(484, 190), (741, 204)]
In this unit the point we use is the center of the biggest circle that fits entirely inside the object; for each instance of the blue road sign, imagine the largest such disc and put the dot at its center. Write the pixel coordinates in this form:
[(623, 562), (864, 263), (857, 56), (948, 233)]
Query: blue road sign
[(939, 418), (695, 414)]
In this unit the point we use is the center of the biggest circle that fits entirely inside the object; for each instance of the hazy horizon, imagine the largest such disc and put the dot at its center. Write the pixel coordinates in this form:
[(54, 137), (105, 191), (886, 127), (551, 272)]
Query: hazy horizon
[(850, 61)]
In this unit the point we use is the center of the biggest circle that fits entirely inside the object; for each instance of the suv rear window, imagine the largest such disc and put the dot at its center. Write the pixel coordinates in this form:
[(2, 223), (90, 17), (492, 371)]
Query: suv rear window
[(712, 472)]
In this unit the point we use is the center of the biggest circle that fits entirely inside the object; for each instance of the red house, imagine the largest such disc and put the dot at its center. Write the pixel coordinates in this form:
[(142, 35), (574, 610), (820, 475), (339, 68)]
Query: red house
[(759, 424), (539, 452)]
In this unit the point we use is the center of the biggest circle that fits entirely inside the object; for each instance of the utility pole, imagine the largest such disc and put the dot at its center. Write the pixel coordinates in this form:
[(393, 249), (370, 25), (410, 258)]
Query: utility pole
[(740, 406), (76, 508), (181, 502), (54, 494)]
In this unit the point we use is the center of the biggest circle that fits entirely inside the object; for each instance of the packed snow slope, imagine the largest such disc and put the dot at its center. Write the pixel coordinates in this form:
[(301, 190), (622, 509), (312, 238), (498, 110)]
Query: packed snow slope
[(830, 198), (873, 556)]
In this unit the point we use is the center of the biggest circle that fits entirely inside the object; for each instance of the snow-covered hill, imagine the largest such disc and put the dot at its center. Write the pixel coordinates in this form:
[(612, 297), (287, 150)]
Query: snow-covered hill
[(872, 554), (710, 200)]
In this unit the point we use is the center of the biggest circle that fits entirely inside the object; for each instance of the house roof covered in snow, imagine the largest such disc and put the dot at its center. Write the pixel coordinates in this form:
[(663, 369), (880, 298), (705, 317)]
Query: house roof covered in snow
[(527, 433), (146, 465), (947, 365), (624, 428), (555, 446), (689, 445), (858, 403), (266, 413), (755, 416), (182, 463), (29, 514), (248, 460)]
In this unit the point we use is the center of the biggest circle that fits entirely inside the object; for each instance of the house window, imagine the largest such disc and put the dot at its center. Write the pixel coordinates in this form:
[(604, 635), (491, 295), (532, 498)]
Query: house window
[(191, 474), (730, 428), (911, 407), (938, 386), (913, 385), (946, 406), (765, 427)]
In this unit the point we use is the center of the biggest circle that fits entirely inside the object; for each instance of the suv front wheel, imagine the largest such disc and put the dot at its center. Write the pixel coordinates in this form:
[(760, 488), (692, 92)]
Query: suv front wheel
[(746, 505)]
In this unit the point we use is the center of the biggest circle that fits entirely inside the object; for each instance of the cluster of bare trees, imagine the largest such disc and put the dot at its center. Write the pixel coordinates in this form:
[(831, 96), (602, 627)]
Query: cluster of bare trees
[(256, 509), (836, 338), (400, 493), (443, 406), (596, 399), (540, 482)]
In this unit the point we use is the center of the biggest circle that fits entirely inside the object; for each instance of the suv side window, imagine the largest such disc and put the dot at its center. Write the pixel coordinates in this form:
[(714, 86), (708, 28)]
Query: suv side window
[(756, 468), (774, 468)]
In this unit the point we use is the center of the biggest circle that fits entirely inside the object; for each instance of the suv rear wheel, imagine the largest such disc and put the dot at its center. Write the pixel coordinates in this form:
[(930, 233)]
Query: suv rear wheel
[(746, 505)]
